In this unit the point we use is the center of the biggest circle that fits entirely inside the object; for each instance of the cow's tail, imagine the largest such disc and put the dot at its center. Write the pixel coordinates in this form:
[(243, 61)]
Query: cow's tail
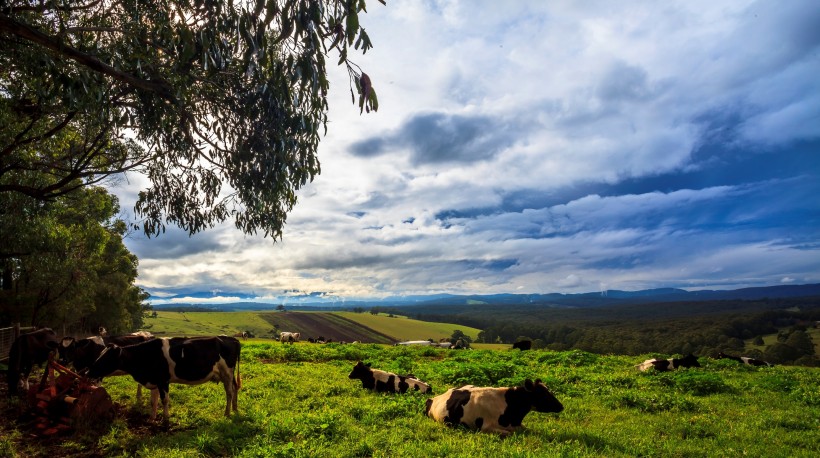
[(238, 380)]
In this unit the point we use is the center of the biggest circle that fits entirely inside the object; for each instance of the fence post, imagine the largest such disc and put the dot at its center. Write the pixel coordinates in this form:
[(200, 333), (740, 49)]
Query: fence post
[(16, 331)]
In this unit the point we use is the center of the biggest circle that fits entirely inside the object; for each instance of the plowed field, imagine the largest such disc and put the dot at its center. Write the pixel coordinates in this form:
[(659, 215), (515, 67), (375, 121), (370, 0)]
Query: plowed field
[(327, 325)]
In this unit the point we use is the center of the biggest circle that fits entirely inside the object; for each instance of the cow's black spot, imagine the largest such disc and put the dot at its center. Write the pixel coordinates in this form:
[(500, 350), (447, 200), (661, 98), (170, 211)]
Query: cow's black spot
[(427, 405), (661, 365), (479, 422), (403, 385), (455, 406), (519, 403)]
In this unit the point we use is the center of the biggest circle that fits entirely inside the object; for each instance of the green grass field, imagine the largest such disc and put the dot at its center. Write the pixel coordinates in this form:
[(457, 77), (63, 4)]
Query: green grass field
[(205, 323), (215, 323), (403, 328), (296, 401)]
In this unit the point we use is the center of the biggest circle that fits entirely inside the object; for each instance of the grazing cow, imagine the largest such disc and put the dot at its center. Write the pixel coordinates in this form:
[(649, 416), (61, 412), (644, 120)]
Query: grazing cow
[(523, 345), (157, 363), (381, 381), (243, 335), (289, 337), (662, 365), (83, 352), (745, 360), (26, 351), (491, 410)]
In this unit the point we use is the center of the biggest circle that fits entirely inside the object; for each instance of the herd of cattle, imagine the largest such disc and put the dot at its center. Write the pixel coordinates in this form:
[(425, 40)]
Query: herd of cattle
[(156, 362)]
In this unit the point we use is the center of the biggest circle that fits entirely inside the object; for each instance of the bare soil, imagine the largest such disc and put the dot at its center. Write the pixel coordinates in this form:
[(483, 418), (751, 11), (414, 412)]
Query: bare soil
[(327, 325)]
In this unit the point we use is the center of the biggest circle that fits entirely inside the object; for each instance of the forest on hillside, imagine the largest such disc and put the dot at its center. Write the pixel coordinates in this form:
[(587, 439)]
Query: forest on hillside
[(703, 328)]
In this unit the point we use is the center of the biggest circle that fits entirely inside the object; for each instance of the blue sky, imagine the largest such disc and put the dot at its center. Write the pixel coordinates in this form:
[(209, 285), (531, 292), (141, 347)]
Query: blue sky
[(537, 147)]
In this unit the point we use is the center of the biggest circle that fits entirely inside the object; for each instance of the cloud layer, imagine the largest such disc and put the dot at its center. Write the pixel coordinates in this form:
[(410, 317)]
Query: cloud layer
[(549, 147)]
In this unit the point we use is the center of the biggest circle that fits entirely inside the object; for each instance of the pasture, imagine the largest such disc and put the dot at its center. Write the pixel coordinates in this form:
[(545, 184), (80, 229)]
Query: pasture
[(347, 326), (296, 401)]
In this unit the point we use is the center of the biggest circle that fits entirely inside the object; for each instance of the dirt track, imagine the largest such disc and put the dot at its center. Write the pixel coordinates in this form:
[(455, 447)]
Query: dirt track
[(327, 325)]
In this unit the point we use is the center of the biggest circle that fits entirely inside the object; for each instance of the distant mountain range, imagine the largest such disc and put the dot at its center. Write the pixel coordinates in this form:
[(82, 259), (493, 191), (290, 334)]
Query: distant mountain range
[(319, 301)]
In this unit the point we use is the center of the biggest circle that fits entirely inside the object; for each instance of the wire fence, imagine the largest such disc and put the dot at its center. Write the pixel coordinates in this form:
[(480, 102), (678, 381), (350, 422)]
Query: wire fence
[(7, 337)]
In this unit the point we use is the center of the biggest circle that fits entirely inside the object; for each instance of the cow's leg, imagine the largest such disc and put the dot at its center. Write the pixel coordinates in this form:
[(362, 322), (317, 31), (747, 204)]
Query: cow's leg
[(226, 375), (154, 403), (139, 394), (166, 400)]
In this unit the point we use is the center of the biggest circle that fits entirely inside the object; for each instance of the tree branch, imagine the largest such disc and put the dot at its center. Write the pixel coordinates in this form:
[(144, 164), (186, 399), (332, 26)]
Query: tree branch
[(159, 87)]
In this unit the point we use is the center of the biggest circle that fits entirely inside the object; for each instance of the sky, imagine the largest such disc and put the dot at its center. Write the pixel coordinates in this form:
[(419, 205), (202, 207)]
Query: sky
[(539, 147)]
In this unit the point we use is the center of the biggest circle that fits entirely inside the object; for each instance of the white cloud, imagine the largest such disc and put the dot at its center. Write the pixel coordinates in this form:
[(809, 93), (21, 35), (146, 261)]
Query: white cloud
[(566, 95)]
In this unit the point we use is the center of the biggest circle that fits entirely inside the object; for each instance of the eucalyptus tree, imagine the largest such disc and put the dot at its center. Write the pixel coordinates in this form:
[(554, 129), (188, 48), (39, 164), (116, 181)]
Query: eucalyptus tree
[(64, 262), (220, 103)]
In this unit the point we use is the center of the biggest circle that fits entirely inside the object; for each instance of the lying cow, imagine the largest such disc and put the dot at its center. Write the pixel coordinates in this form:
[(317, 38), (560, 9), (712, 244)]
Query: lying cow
[(381, 381), (289, 337), (157, 363), (28, 350), (745, 360), (491, 410), (662, 365)]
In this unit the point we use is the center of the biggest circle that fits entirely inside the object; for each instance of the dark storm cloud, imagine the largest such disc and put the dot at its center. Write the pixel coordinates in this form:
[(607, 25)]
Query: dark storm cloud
[(435, 138), (174, 243)]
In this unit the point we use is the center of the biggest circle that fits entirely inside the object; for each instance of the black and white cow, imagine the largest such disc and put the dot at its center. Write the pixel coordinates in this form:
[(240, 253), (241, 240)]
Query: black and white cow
[(745, 360), (662, 365), (157, 363), (491, 410), (381, 381), (523, 345), (81, 353), (28, 350), (289, 337)]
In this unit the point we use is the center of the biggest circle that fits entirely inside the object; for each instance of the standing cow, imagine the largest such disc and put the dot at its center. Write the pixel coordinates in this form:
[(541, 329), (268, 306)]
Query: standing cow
[(157, 363), (491, 410), (289, 337), (26, 351), (381, 381), (83, 352), (663, 365)]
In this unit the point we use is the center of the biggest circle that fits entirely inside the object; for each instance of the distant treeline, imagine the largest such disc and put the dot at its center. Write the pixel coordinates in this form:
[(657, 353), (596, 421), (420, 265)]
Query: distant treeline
[(703, 328), (188, 308)]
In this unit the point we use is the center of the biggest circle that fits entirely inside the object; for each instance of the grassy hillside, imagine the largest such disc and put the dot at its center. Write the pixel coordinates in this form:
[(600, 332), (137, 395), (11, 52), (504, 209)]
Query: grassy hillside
[(206, 323), (340, 326), (403, 328), (296, 401)]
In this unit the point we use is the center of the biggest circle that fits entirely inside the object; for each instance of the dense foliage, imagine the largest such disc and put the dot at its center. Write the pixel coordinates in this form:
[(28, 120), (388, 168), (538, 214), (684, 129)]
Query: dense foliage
[(297, 401), (219, 103), (65, 265), (703, 328)]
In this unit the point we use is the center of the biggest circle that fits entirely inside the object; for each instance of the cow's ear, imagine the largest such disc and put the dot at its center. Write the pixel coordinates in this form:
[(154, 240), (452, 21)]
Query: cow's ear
[(528, 385), (368, 364)]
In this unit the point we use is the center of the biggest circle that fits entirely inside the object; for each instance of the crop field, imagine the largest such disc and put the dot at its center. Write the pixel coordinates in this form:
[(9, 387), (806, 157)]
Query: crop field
[(403, 328), (297, 401), (340, 326)]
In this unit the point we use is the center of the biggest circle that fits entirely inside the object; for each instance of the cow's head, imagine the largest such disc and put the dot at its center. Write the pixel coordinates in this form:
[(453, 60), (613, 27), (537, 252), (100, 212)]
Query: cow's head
[(66, 350), (360, 370), (542, 399), (689, 361), (107, 363)]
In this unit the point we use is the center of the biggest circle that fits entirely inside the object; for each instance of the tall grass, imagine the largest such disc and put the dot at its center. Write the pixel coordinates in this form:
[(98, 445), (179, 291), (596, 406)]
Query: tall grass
[(296, 401)]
